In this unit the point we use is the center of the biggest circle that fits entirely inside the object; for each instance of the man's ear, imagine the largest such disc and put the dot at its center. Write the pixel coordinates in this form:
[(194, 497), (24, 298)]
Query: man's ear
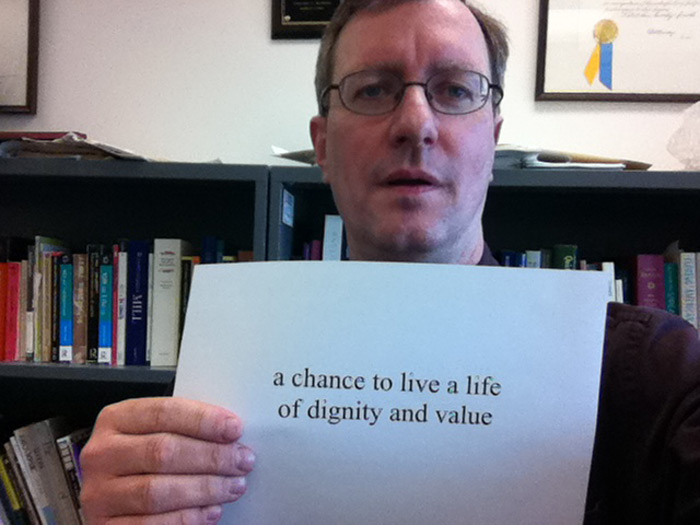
[(317, 127), (498, 122)]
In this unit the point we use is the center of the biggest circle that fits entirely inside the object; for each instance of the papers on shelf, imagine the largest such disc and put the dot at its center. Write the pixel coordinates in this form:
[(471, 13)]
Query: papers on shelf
[(509, 156), (71, 145)]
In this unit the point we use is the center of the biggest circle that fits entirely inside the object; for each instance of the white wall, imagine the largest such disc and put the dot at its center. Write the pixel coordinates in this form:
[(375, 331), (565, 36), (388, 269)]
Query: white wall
[(199, 80)]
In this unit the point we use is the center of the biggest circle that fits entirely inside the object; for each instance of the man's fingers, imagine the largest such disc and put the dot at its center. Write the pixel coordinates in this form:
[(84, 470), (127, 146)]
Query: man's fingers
[(141, 495), (177, 415), (174, 454), (206, 515)]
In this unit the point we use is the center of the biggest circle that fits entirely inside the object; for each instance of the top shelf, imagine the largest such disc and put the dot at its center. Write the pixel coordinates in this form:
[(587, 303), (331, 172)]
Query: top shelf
[(130, 169), (534, 178)]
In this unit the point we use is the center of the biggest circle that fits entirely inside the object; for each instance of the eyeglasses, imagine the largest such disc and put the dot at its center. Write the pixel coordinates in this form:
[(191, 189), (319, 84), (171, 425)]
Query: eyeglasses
[(377, 92)]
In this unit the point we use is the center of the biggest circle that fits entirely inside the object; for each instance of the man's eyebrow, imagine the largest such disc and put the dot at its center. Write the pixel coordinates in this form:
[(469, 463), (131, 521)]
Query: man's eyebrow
[(398, 67)]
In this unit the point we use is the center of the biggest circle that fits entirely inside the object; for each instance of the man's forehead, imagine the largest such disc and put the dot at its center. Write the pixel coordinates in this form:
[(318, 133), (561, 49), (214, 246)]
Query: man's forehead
[(391, 38)]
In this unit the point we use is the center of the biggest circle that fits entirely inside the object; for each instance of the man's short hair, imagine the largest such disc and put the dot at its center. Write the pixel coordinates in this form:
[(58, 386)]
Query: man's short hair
[(493, 30)]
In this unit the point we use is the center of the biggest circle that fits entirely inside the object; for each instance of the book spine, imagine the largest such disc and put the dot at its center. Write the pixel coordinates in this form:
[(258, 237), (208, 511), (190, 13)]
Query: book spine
[(166, 300), (14, 504), (21, 484), (55, 305), (565, 256), (64, 445), (115, 302), (22, 314), (29, 316), (65, 350), (333, 238), (137, 303), (80, 307), (149, 310), (3, 309), (671, 287), (104, 355), (12, 313), (650, 287), (533, 259), (94, 252), (121, 298), (688, 288)]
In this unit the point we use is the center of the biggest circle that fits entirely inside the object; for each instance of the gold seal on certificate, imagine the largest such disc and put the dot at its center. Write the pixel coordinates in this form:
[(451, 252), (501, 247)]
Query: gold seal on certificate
[(605, 31)]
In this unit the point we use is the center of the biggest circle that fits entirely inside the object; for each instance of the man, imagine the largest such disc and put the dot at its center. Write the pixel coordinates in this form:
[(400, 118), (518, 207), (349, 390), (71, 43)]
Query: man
[(408, 121)]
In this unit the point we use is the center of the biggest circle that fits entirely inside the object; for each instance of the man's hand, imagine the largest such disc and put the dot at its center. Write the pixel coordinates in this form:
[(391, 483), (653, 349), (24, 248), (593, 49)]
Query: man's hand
[(163, 460)]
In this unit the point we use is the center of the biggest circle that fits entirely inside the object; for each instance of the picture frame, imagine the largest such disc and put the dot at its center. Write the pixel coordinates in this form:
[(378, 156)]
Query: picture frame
[(603, 50), (19, 54), (301, 19)]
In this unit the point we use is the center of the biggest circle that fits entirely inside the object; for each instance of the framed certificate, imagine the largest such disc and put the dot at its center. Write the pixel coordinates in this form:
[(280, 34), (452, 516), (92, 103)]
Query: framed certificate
[(293, 19), (639, 50), (19, 48)]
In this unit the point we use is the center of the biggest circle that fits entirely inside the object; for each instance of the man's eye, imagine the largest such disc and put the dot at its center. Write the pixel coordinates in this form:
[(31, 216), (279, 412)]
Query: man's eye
[(458, 92), (371, 91)]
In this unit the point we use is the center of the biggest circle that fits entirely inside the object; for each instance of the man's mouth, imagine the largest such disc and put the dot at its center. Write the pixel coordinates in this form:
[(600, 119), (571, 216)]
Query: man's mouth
[(411, 178)]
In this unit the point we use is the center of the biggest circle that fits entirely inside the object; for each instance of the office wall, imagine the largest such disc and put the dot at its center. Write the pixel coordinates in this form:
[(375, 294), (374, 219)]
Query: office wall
[(197, 81)]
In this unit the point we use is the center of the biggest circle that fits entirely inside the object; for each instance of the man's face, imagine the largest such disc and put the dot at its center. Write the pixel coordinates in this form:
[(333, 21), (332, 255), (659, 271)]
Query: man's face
[(410, 184)]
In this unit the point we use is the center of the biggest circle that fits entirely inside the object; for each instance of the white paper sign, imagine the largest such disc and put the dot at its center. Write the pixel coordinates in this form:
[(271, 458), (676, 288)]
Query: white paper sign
[(402, 393)]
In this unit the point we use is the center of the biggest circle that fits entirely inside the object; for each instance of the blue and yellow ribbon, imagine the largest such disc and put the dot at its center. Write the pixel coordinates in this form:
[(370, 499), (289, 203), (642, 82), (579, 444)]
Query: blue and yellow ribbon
[(601, 62)]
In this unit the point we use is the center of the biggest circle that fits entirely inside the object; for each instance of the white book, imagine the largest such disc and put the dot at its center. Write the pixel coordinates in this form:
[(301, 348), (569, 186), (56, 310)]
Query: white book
[(166, 300), (333, 238), (609, 268), (121, 307), (533, 258), (149, 311), (687, 281)]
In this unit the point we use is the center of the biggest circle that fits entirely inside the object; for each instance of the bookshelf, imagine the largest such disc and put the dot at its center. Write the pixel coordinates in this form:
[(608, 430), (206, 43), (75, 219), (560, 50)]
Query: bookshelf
[(85, 202), (609, 214)]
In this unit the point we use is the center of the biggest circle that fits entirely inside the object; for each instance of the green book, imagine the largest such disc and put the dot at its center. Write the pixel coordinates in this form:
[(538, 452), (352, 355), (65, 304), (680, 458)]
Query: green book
[(565, 256), (671, 282)]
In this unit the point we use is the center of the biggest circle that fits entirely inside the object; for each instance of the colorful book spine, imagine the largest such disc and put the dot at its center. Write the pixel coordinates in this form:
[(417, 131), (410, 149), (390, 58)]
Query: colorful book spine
[(104, 352), (650, 286), (12, 316), (80, 308), (565, 256), (94, 253), (137, 303), (671, 287), (65, 349), (333, 238)]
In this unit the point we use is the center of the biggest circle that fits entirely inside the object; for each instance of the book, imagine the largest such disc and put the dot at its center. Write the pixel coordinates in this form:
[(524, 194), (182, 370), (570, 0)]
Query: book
[(122, 269), (3, 308), (13, 317), (137, 303), (687, 281), (533, 258), (104, 338), (69, 447), (20, 483), (149, 308), (80, 308), (333, 238), (41, 464), (94, 257), (40, 313), (65, 349), (671, 287), (166, 299), (565, 256), (14, 506), (649, 282)]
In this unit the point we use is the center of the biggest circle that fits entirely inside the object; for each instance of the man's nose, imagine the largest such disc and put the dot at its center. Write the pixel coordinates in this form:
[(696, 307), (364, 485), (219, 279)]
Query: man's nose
[(414, 121)]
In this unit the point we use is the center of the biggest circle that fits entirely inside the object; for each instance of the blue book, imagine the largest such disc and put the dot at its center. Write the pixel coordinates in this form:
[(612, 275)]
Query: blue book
[(65, 340), (137, 303), (104, 353)]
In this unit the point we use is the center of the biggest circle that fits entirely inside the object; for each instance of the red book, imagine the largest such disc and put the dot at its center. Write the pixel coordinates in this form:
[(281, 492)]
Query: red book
[(12, 311), (650, 284), (3, 307)]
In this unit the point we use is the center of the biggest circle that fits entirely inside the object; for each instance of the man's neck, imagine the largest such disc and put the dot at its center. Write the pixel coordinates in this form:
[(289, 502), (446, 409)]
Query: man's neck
[(470, 255)]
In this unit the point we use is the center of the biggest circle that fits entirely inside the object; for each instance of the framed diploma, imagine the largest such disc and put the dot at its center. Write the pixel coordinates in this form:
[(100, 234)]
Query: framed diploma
[(19, 49), (292, 19), (631, 50)]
